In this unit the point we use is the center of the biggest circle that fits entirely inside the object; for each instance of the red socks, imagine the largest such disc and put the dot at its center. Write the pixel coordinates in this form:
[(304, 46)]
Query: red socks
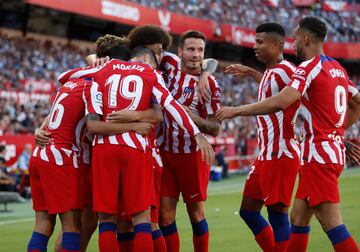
[(107, 237), (171, 237), (143, 239), (265, 239)]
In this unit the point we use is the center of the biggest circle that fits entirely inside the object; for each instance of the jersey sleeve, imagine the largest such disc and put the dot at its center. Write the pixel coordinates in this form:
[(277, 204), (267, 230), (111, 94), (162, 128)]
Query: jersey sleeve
[(81, 72), (352, 89), (170, 63), (171, 106), (92, 96), (304, 74), (213, 105)]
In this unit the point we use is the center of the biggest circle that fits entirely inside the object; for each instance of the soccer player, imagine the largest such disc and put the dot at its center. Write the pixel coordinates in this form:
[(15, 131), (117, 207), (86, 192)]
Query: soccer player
[(54, 174), (138, 82), (325, 92), (184, 170), (272, 176), (84, 145), (158, 40)]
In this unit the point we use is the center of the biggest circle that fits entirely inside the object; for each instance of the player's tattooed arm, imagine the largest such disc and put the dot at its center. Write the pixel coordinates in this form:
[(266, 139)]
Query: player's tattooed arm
[(353, 111), (241, 71), (208, 67), (352, 152), (97, 127), (42, 137), (210, 125), (281, 101), (153, 115)]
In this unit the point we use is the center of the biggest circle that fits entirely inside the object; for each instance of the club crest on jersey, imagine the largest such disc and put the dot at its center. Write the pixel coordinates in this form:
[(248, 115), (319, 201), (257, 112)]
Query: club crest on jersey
[(187, 92)]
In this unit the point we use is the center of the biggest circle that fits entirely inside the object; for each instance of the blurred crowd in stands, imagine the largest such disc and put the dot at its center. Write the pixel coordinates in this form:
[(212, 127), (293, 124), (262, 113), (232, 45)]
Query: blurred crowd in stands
[(20, 58), (15, 178), (344, 25)]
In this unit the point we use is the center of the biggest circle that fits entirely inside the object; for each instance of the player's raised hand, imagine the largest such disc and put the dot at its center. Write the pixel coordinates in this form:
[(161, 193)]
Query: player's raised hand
[(207, 152), (122, 116), (203, 88), (225, 113), (143, 128), (238, 70), (42, 137), (352, 152)]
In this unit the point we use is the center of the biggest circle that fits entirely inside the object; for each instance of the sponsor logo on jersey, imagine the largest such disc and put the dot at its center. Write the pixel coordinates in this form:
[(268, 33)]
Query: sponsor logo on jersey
[(98, 98)]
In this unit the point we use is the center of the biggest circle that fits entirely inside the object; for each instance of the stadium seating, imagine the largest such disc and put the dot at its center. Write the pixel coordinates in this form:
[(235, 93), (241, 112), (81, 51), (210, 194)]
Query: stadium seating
[(344, 25)]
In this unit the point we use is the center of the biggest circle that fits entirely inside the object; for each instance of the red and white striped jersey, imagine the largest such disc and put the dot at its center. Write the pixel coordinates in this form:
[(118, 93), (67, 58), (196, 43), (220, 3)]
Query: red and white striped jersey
[(75, 99), (182, 87), (84, 142), (325, 88), (276, 132), (131, 85)]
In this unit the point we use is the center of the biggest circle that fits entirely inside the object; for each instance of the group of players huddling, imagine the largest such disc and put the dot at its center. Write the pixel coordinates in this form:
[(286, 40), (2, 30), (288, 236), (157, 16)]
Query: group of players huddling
[(123, 140)]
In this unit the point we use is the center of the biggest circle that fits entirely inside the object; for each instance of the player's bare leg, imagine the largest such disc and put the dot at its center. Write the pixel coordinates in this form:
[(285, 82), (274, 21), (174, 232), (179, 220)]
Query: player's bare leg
[(89, 221), (300, 218), (70, 225), (88, 226), (125, 235), (279, 221), (329, 216), (250, 212), (196, 212), (142, 230), (168, 224), (44, 227), (44, 223)]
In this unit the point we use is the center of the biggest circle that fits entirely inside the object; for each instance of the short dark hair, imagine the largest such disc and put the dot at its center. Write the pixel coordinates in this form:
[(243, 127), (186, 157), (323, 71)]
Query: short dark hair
[(315, 26), (142, 50), (113, 46), (191, 34), (149, 35), (271, 28)]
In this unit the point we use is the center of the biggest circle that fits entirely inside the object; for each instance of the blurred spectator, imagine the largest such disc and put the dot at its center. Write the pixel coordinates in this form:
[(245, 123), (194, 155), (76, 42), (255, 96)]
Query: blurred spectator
[(220, 160), (23, 180), (23, 160), (7, 183)]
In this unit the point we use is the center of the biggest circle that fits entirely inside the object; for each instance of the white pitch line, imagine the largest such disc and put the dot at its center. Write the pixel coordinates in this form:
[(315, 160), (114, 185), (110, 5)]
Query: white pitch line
[(16, 221)]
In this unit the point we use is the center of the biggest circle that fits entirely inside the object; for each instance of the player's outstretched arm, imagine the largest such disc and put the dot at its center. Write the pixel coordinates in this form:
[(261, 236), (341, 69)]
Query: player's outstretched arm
[(42, 137), (353, 111), (209, 126), (241, 71), (281, 101), (175, 110), (153, 115), (97, 127), (208, 68)]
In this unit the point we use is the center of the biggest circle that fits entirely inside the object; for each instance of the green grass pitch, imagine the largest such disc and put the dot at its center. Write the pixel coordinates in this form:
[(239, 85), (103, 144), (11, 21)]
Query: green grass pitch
[(227, 231)]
